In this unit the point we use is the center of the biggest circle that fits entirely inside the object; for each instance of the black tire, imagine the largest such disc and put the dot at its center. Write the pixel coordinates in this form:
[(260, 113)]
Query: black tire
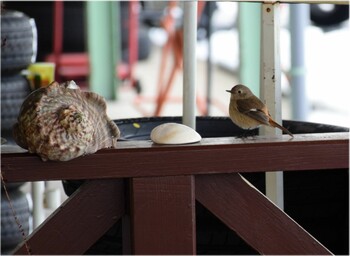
[(17, 41), (11, 235), (324, 18), (14, 90)]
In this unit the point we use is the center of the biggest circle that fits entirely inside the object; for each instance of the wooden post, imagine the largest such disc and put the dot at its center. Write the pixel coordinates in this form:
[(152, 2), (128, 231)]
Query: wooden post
[(163, 215)]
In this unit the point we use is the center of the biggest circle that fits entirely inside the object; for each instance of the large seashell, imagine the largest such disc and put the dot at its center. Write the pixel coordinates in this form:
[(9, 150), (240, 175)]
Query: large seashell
[(174, 133), (61, 122)]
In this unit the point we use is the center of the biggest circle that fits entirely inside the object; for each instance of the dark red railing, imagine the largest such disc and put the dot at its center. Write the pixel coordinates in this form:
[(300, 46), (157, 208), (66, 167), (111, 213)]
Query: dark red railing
[(154, 188)]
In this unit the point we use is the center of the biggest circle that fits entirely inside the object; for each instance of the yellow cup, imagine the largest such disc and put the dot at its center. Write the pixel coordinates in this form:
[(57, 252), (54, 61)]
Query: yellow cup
[(41, 74)]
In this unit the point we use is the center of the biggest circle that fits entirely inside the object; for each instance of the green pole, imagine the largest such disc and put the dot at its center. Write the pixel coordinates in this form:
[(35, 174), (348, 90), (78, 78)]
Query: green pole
[(249, 42), (103, 46)]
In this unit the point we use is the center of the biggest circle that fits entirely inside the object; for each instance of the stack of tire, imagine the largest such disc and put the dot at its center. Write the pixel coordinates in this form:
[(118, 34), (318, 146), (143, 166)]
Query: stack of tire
[(18, 50), (11, 233)]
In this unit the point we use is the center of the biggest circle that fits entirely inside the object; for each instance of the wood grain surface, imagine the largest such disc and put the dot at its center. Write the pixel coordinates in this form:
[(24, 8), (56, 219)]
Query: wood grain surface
[(163, 215), (211, 155)]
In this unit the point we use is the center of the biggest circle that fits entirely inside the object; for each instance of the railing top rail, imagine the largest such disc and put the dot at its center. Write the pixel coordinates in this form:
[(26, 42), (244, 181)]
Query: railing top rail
[(211, 155)]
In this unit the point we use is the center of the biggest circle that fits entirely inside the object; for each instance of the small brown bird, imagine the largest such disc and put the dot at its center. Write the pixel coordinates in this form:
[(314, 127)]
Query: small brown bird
[(248, 111)]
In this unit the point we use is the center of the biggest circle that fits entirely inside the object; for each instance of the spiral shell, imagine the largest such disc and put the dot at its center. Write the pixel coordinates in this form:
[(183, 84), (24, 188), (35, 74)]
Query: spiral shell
[(61, 122)]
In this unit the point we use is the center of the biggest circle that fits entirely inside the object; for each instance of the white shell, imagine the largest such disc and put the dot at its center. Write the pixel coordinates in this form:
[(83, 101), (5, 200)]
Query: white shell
[(174, 133)]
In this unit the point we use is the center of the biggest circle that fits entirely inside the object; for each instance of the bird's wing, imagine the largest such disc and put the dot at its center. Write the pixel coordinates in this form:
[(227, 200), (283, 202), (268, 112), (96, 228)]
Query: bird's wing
[(254, 108)]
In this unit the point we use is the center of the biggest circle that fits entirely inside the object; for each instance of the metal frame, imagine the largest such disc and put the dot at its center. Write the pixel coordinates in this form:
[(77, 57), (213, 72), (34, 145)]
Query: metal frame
[(189, 63), (270, 87)]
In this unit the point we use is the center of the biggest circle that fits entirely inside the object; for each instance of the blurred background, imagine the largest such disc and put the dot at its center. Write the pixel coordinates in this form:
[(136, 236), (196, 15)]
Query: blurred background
[(130, 52)]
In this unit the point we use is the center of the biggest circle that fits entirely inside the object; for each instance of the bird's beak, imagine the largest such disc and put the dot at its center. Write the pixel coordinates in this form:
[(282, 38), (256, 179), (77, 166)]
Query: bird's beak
[(229, 91)]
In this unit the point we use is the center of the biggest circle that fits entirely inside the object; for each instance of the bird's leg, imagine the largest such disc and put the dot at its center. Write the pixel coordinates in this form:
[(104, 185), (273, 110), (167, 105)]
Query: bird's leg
[(247, 133)]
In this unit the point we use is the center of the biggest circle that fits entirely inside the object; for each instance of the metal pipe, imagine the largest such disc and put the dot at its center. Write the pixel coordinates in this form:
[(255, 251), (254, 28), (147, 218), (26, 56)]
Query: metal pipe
[(249, 19), (299, 19), (189, 63), (101, 21), (38, 207), (210, 9), (270, 88), (52, 196), (133, 39), (270, 73)]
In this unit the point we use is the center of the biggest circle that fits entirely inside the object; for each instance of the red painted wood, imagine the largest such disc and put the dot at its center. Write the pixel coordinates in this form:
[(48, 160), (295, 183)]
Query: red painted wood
[(80, 221), (163, 215), (215, 155), (254, 217)]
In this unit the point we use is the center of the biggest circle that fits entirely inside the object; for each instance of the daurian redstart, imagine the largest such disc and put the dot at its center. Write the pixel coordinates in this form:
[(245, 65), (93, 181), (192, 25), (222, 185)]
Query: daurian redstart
[(248, 111)]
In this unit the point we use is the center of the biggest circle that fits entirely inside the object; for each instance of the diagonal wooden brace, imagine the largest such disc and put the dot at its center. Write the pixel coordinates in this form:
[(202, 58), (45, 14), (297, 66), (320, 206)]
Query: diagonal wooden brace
[(96, 205), (254, 217)]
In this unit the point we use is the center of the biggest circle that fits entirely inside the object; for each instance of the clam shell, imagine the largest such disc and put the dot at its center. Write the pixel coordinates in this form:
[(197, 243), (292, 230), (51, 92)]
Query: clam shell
[(60, 122), (174, 133)]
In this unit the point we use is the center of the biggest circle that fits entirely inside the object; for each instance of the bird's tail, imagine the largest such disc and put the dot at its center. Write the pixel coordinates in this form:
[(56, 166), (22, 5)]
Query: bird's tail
[(274, 124)]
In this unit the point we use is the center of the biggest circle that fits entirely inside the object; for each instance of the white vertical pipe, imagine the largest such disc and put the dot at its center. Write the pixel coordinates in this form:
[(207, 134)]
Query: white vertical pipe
[(38, 206), (270, 88), (52, 196), (299, 20), (189, 63)]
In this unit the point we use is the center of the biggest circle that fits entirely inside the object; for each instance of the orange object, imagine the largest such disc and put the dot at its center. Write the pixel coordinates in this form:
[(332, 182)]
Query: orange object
[(174, 44)]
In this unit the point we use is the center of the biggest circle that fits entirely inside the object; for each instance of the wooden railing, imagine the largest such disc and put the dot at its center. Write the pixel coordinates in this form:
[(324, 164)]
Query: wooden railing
[(154, 188)]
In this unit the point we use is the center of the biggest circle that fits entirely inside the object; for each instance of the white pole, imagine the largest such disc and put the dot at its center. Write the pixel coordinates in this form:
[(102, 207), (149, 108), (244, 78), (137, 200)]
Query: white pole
[(189, 63), (38, 199), (270, 88), (52, 196), (299, 19)]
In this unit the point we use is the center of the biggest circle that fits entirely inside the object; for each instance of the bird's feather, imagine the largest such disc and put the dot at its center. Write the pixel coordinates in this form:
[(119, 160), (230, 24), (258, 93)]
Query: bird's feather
[(274, 124), (253, 108)]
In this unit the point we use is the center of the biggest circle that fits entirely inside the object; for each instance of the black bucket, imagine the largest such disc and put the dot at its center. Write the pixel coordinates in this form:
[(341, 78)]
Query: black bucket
[(317, 200), (211, 127)]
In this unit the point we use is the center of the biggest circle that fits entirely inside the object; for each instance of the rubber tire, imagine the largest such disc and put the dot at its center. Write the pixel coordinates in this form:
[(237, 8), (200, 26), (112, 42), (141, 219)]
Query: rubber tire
[(323, 18), (17, 43), (14, 90), (10, 233)]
